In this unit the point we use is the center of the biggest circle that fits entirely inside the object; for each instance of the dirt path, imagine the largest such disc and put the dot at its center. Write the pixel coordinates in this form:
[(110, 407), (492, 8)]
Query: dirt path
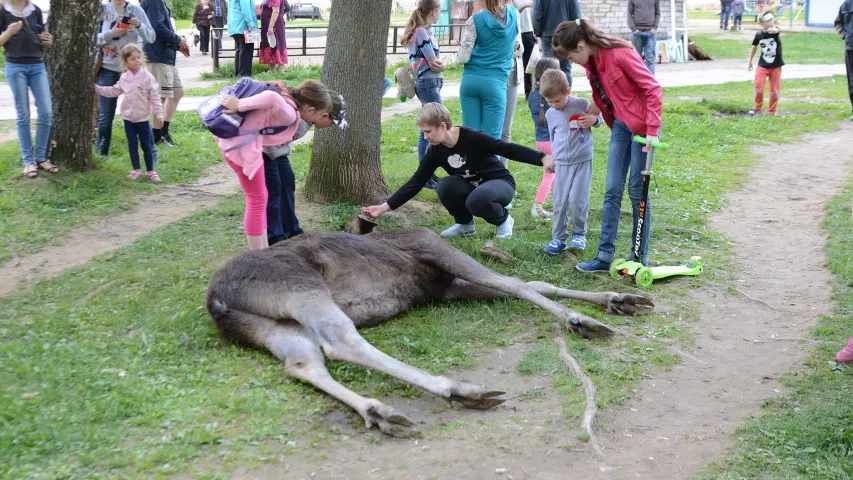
[(680, 420), (171, 204)]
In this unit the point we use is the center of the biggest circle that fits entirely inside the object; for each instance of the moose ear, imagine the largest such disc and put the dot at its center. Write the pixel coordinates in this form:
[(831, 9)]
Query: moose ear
[(360, 225)]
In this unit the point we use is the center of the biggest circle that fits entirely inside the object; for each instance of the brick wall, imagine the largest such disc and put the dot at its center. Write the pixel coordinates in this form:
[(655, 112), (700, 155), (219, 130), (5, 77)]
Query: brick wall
[(612, 16)]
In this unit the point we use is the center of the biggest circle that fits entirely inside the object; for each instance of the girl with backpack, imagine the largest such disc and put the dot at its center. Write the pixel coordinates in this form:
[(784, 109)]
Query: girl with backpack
[(424, 61), (284, 106), (631, 101)]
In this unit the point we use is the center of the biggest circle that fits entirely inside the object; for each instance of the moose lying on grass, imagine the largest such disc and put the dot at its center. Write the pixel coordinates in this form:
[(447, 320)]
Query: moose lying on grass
[(313, 291)]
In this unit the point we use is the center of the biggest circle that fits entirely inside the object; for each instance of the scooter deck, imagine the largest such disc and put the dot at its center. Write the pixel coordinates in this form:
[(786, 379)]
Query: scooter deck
[(669, 271)]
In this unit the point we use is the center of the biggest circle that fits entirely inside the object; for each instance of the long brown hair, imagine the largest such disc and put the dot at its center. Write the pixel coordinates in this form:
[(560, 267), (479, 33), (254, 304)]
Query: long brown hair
[(418, 19), (544, 63), (495, 7), (568, 34), (310, 92)]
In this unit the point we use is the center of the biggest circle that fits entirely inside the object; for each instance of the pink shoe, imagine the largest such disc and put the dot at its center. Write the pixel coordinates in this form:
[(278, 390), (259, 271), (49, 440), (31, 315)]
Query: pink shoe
[(846, 353)]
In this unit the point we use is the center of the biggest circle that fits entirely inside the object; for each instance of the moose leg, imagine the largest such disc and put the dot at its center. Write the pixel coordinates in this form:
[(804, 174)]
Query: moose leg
[(437, 251), (301, 354), (620, 304), (340, 340)]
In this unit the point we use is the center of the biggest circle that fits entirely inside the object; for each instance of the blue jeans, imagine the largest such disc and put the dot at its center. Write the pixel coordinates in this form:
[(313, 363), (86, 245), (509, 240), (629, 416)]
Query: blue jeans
[(106, 111), (142, 131), (623, 155), (725, 10), (483, 100), (386, 85), (547, 51), (23, 78), (646, 43), (281, 204), (429, 90)]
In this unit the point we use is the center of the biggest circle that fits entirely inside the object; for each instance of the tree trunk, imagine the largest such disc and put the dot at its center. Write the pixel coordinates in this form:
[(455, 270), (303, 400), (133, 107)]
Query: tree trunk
[(69, 63), (345, 166)]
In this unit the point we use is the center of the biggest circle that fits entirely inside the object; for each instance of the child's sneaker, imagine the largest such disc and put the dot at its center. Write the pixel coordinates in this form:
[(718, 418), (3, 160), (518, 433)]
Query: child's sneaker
[(538, 212), (846, 353), (596, 265), (578, 243), (405, 85), (504, 230), (752, 112), (556, 246), (134, 174), (460, 230), (152, 175)]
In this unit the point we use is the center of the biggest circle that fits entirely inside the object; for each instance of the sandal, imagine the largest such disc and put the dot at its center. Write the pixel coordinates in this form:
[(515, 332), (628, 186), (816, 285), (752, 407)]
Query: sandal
[(48, 167), (152, 175), (30, 171), (134, 174)]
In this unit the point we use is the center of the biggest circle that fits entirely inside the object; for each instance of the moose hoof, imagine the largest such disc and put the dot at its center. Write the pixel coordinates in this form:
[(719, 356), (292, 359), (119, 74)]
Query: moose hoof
[(389, 420), (480, 398), (589, 328), (630, 304)]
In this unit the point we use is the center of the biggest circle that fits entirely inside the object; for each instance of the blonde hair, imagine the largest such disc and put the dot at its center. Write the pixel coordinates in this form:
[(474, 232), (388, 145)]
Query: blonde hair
[(433, 115), (310, 92), (553, 83), (568, 34), (125, 52), (417, 19), (495, 7), (765, 17)]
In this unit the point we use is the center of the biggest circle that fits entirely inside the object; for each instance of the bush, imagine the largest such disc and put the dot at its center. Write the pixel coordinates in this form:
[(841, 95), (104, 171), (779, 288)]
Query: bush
[(182, 9)]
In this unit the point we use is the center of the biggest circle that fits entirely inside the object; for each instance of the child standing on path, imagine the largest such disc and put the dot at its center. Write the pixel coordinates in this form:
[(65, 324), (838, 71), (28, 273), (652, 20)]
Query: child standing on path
[(424, 61), (769, 63), (738, 6), (272, 108), (538, 108), (141, 100), (569, 126)]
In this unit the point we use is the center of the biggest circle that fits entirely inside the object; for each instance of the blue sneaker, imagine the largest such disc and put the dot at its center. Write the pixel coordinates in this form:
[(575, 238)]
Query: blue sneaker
[(504, 230), (594, 265), (460, 230), (578, 243), (555, 247)]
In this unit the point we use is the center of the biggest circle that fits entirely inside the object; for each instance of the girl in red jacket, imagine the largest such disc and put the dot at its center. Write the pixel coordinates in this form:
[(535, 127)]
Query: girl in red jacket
[(630, 99)]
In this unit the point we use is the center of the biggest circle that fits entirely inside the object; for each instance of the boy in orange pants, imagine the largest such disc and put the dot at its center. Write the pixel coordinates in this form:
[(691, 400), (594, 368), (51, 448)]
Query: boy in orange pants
[(769, 63)]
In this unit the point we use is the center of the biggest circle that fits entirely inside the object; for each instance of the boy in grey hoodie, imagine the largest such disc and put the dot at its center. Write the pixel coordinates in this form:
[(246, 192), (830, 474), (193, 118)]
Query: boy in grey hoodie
[(570, 127)]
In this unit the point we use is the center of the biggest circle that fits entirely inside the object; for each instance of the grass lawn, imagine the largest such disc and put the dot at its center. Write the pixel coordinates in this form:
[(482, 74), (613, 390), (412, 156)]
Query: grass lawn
[(117, 369), (807, 434), (798, 47)]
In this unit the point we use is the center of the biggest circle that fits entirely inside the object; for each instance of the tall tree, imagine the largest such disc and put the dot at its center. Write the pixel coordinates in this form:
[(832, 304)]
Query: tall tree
[(69, 63), (345, 166)]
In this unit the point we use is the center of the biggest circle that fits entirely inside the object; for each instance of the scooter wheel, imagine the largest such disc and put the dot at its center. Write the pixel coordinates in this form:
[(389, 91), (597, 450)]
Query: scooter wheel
[(643, 277), (614, 270)]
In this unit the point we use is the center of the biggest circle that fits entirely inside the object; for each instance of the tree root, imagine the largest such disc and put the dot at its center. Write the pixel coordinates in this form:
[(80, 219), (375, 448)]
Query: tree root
[(591, 394), (490, 250)]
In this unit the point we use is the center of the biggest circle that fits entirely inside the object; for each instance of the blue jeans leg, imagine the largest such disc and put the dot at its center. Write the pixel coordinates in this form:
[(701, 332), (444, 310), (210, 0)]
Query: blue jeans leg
[(429, 90), (41, 92), (547, 51), (18, 77), (646, 43), (106, 111), (146, 140), (130, 131), (623, 155), (281, 203)]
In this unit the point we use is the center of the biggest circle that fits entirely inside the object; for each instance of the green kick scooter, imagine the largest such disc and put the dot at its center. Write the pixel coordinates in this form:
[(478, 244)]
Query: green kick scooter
[(644, 276)]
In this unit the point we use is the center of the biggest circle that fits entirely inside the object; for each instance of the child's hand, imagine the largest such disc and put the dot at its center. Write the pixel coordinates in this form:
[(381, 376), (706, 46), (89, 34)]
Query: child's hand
[(750, 66), (649, 140), (376, 210), (230, 103), (594, 110), (158, 123), (548, 163), (587, 120), (13, 28)]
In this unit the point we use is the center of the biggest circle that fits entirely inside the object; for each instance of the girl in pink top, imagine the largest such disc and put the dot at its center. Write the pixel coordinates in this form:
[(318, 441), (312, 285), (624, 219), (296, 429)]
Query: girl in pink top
[(311, 102), (631, 102), (141, 100)]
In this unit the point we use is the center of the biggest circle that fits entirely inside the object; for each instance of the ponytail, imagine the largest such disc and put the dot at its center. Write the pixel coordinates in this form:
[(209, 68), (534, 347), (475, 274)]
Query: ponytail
[(568, 34), (309, 93), (417, 19)]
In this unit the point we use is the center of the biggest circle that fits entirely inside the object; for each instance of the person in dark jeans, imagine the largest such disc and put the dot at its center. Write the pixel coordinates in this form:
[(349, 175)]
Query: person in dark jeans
[(547, 14), (844, 27), (528, 39), (643, 18), (725, 12), (203, 18), (242, 19), (477, 183)]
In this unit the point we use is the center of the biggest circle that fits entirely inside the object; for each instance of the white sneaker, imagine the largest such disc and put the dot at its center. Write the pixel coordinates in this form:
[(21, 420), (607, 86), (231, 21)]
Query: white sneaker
[(460, 230), (405, 84), (504, 230)]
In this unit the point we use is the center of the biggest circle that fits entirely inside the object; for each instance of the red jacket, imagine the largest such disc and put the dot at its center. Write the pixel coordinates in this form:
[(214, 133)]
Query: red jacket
[(636, 95)]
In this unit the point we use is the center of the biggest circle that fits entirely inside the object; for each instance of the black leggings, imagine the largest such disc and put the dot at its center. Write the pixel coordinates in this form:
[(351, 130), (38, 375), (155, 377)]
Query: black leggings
[(848, 59), (465, 201), (204, 38)]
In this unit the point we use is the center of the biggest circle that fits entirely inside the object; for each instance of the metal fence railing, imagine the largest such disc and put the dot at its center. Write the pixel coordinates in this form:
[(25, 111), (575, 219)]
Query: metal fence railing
[(311, 41)]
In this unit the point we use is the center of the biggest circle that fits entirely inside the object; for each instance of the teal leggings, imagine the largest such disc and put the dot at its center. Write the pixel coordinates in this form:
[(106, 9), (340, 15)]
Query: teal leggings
[(483, 103)]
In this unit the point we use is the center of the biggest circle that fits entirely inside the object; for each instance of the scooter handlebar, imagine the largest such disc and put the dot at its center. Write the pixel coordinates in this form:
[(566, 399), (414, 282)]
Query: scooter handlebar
[(655, 143)]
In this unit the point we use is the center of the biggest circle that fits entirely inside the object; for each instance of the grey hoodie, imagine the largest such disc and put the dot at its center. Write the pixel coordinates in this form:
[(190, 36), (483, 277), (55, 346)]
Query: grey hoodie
[(643, 14), (109, 48)]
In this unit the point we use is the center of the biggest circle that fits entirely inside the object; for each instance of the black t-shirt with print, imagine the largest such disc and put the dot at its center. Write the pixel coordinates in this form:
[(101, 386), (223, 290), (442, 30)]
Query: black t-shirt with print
[(769, 49), (474, 157), (24, 46)]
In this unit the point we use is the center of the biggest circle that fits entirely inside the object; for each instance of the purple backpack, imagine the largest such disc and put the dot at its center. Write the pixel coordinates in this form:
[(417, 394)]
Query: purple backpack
[(225, 125)]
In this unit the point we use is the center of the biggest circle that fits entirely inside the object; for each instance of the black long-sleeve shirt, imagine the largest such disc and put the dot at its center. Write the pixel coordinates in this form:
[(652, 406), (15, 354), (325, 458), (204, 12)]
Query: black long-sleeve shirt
[(474, 157)]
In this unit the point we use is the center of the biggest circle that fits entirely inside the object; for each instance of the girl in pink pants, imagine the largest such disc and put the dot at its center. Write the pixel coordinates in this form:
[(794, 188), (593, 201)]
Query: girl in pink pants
[(538, 107)]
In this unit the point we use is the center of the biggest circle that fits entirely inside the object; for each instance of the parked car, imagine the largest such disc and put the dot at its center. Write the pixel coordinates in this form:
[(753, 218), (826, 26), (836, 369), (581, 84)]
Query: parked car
[(305, 10)]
